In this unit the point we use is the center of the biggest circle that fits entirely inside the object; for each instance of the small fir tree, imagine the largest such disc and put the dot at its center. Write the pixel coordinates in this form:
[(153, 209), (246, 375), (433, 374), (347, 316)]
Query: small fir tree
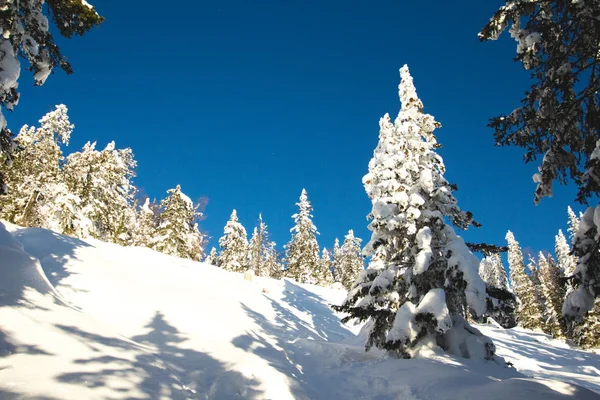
[(302, 252), (528, 312), (350, 260), (177, 233), (553, 290), (234, 246), (212, 257), (326, 279)]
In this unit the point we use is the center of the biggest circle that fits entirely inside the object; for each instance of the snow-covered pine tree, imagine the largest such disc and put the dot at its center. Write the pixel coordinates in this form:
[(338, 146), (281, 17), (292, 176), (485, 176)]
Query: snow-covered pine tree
[(25, 32), (528, 313), (422, 281), (501, 303), (102, 180), (302, 251), (273, 266), (177, 233), (586, 277), (566, 262), (234, 246), (350, 261), (553, 290), (147, 223), (337, 255), (258, 248), (34, 177), (212, 257), (586, 333), (487, 272), (573, 223), (326, 278)]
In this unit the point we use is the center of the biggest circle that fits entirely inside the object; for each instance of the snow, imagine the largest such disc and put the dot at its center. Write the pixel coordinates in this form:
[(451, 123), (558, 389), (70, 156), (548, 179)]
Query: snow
[(91, 320)]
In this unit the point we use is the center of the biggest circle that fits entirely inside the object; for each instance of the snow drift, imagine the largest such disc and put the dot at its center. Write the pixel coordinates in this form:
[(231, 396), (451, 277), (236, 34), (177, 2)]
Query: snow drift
[(91, 320)]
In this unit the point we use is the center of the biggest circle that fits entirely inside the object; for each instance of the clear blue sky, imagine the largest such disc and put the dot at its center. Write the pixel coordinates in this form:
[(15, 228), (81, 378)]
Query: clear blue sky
[(246, 103)]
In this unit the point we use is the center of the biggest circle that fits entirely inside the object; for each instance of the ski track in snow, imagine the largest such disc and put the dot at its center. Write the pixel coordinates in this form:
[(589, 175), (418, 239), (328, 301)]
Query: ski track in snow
[(91, 320)]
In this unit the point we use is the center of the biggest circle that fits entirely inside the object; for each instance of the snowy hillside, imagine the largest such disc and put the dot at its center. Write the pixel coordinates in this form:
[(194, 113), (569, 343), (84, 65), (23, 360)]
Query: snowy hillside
[(91, 320)]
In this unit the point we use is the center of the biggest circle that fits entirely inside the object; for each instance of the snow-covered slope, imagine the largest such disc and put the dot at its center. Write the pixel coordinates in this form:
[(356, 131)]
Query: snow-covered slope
[(91, 320)]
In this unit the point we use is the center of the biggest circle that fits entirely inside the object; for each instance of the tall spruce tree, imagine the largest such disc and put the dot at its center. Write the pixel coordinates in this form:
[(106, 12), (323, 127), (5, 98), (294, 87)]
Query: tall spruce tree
[(177, 233), (528, 313), (26, 33), (422, 281), (553, 290), (350, 261), (302, 251), (234, 246)]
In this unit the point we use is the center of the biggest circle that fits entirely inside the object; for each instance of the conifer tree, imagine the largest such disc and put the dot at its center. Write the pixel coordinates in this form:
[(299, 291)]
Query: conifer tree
[(554, 292), (501, 302), (302, 251), (566, 262), (326, 274), (528, 313), (337, 255), (147, 223), (422, 280), (34, 178), (25, 33), (212, 257), (586, 333), (273, 266), (177, 233), (350, 261), (234, 246), (258, 248), (102, 180), (573, 223)]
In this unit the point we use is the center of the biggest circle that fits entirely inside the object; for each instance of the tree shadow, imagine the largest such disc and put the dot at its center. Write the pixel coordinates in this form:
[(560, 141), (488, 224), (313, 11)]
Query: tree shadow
[(162, 366), (53, 250), (547, 361), (286, 344), (19, 268), (326, 324), (9, 347)]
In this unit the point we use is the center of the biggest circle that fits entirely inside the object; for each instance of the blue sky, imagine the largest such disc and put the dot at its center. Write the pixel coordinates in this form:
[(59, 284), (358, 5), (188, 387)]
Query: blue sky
[(246, 103)]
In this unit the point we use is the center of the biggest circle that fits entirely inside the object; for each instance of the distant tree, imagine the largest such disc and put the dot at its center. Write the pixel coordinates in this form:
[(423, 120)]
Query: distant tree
[(501, 303), (350, 261), (566, 262), (212, 257), (302, 251), (258, 249), (37, 195), (26, 33), (553, 290), (326, 275), (422, 281), (234, 246), (103, 182), (147, 224), (573, 223), (177, 233), (273, 265), (337, 256), (528, 313)]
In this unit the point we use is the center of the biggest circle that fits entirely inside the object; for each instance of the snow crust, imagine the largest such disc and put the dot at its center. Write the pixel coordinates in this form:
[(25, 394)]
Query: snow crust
[(91, 320)]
